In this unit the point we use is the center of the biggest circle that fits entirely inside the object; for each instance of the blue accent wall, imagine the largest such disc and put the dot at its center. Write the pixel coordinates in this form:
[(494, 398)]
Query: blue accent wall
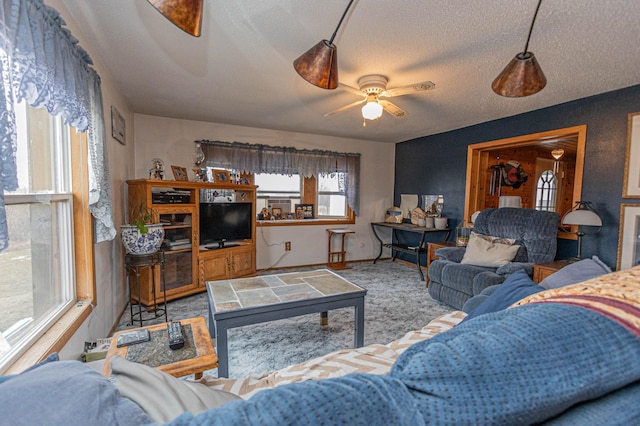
[(437, 164)]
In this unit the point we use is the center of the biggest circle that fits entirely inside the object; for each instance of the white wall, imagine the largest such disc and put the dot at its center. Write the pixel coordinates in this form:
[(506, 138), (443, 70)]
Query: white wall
[(172, 140), (111, 291)]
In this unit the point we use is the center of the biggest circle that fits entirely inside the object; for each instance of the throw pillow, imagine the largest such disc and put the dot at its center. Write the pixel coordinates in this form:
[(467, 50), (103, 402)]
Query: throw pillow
[(576, 272), (162, 396), (516, 287), (489, 251)]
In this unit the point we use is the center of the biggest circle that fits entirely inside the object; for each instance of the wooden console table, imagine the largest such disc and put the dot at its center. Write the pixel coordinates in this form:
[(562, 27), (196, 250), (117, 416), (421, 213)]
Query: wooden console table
[(399, 247)]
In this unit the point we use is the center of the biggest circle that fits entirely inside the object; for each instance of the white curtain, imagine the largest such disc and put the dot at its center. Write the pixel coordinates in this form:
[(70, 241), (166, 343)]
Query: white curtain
[(257, 158), (42, 64)]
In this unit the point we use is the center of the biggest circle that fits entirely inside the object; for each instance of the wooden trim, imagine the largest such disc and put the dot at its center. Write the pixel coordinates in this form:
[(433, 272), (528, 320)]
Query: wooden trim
[(82, 221), (477, 162)]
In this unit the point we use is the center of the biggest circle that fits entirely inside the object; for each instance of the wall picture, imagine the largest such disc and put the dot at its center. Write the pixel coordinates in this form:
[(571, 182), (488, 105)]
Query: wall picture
[(118, 126), (631, 187), (629, 236)]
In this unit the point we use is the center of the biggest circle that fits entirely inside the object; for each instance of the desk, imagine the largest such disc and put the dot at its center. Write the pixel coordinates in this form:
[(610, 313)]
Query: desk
[(196, 356), (399, 246)]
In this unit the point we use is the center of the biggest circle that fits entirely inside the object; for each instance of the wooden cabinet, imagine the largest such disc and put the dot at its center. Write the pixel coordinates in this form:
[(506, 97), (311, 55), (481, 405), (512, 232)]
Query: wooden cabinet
[(188, 265), (227, 263), (543, 270), (431, 254)]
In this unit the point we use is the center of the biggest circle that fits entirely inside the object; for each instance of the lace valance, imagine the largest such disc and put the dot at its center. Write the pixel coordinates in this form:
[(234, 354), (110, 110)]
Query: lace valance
[(42, 64), (258, 158)]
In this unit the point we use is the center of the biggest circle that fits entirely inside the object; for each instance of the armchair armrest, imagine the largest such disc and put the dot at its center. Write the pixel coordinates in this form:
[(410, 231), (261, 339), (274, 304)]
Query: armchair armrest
[(512, 267), (452, 254)]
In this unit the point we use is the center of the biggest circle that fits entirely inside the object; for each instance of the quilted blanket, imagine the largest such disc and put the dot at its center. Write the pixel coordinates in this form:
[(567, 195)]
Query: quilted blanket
[(559, 361)]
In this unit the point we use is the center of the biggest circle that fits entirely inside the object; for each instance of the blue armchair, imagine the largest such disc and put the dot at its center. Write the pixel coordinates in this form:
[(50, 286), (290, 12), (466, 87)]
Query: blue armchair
[(453, 283)]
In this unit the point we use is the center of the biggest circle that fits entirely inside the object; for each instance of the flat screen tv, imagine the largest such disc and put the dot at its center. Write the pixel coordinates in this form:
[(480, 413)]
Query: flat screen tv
[(221, 223)]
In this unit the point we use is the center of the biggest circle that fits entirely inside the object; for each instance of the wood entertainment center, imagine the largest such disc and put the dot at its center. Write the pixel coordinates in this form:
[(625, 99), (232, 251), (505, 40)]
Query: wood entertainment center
[(188, 265)]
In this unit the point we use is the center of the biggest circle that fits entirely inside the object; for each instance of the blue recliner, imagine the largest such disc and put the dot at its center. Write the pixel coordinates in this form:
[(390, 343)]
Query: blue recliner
[(535, 231)]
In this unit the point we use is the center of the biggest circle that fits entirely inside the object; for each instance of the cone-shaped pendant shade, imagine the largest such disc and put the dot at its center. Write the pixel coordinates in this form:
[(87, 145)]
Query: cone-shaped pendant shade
[(319, 65), (185, 14), (521, 77)]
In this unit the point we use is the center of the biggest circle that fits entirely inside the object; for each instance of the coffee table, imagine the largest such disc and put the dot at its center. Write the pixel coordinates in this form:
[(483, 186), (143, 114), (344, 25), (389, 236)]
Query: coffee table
[(196, 356), (245, 301)]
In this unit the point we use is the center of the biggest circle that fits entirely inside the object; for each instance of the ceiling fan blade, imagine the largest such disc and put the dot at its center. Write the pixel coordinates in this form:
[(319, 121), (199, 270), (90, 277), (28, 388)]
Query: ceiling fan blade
[(411, 88), (346, 107), (185, 14), (351, 89), (392, 109)]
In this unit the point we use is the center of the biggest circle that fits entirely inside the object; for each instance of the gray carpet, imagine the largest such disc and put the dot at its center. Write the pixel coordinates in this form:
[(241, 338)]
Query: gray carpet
[(396, 302)]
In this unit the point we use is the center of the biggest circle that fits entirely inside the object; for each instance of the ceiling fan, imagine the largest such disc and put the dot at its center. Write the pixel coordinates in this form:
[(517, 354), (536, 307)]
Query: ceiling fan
[(374, 87)]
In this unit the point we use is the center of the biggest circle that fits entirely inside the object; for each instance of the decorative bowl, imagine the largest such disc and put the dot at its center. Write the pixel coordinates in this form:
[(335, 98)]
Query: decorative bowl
[(136, 243)]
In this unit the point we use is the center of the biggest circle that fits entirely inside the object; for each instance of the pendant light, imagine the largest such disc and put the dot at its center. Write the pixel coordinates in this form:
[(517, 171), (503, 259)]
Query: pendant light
[(319, 65), (523, 75), (185, 14)]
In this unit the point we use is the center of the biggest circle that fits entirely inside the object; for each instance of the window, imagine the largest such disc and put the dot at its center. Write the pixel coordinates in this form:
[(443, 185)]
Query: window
[(546, 189), (285, 191), (37, 284), (332, 201), (279, 191)]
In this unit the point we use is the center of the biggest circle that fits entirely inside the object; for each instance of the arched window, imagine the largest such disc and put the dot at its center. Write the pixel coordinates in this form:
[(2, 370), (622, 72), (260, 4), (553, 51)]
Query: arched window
[(546, 190)]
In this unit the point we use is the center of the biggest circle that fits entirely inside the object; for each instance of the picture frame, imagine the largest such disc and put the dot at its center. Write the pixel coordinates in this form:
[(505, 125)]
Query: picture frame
[(631, 186), (304, 211), (220, 176), (179, 173), (628, 236), (118, 126), (276, 212)]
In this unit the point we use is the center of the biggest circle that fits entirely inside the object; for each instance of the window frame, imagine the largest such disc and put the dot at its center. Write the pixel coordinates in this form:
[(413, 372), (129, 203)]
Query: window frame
[(62, 330)]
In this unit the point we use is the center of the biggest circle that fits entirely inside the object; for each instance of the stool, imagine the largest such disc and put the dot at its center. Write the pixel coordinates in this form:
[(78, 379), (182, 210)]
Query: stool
[(337, 259), (133, 263)]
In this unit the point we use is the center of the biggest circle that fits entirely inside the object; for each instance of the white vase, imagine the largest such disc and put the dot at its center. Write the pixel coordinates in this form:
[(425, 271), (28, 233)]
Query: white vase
[(137, 243), (441, 222)]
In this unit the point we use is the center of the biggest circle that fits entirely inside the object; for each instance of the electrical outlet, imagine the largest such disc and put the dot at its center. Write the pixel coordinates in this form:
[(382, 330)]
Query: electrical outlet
[(287, 246)]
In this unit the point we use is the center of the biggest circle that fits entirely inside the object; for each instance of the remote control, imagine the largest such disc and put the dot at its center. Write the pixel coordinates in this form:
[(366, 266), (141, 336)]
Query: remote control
[(176, 339)]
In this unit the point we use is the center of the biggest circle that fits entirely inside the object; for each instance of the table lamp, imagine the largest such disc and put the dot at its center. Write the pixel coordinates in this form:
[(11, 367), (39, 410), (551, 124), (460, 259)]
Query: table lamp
[(586, 219)]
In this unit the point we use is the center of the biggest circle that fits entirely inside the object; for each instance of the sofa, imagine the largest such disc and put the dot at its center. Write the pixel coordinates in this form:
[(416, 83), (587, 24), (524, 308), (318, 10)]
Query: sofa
[(562, 356), (502, 241)]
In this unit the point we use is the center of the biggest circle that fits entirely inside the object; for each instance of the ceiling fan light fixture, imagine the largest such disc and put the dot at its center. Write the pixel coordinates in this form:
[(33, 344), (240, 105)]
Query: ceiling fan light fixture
[(522, 76), (319, 65), (372, 110)]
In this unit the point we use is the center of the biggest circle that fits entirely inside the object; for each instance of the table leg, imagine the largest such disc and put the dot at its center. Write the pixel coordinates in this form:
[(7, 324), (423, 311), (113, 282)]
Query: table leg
[(139, 296), (375, 234), (359, 323), (222, 350), (324, 318)]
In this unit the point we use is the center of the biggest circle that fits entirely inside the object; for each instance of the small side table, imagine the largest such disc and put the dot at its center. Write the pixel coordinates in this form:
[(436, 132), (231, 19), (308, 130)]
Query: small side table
[(431, 254), (195, 357), (133, 263), (543, 270), (337, 259)]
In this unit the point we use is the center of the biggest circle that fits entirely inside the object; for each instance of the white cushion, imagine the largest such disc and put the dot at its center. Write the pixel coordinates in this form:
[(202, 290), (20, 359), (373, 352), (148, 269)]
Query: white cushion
[(493, 252)]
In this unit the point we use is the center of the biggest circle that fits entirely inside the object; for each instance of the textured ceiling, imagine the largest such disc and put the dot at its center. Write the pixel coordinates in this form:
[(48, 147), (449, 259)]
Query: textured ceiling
[(240, 70)]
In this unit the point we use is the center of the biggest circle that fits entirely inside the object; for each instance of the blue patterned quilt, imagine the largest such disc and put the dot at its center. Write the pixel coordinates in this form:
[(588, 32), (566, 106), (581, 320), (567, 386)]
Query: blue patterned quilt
[(537, 363)]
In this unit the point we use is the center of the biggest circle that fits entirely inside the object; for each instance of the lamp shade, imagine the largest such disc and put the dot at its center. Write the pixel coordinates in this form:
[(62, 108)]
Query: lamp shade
[(521, 77), (319, 65), (185, 14), (582, 217)]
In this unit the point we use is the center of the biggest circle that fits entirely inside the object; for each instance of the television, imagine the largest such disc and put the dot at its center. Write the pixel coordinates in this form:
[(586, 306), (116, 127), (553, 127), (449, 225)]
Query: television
[(221, 223)]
